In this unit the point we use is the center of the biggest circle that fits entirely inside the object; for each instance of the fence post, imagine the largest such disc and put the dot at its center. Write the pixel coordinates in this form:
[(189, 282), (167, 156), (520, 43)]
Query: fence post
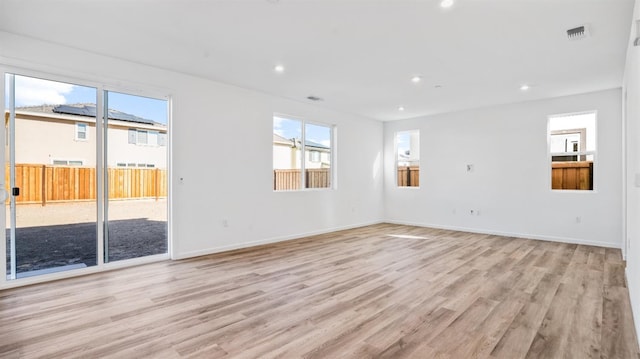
[(156, 184), (44, 185)]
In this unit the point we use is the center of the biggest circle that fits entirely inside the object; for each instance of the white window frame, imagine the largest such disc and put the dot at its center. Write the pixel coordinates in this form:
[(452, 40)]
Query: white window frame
[(332, 153), (579, 154), (26, 69), (86, 131)]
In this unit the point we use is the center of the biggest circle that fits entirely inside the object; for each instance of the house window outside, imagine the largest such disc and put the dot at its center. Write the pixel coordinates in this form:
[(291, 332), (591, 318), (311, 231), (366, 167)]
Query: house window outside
[(67, 162), (147, 138), (407, 145), (314, 156), (142, 137), (302, 154), (572, 151), (81, 131)]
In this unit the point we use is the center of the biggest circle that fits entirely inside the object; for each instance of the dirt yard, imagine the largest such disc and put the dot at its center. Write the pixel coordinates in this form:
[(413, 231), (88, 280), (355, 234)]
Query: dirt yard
[(60, 234)]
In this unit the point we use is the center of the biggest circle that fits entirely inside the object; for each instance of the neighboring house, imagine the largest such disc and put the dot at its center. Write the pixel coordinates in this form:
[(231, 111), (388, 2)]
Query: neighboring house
[(66, 135), (286, 154)]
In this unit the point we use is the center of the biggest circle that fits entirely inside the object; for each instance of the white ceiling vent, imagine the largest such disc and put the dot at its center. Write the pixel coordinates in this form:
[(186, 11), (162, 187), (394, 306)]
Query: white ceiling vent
[(578, 33)]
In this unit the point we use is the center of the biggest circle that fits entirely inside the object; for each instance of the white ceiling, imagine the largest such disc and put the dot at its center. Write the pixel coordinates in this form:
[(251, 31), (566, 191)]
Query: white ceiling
[(358, 55)]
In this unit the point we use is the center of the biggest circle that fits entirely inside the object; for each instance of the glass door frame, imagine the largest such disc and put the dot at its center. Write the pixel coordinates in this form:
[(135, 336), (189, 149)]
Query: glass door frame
[(101, 190)]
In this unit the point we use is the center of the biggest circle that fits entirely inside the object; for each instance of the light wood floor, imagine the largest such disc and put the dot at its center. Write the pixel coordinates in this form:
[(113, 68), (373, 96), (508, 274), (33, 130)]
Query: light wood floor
[(383, 291)]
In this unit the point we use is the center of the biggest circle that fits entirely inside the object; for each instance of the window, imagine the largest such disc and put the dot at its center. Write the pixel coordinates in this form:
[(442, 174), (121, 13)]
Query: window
[(572, 150), (408, 158), (314, 156), (146, 137), (142, 137), (67, 162), (302, 154), (81, 131)]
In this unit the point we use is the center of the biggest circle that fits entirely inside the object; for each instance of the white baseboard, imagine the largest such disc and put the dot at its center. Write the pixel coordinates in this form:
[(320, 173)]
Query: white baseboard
[(213, 250), (510, 234)]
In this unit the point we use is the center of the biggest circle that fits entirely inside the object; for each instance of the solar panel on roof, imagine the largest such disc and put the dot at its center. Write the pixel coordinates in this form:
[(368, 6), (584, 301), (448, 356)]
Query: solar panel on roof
[(90, 111), (76, 110)]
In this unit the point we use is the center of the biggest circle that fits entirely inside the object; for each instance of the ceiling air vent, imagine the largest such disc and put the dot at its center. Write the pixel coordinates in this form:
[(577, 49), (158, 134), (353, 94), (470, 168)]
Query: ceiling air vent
[(577, 33)]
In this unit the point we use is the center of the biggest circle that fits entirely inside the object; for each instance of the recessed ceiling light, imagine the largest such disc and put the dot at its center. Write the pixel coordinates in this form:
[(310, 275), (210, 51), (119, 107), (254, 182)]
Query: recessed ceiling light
[(524, 87), (416, 79), (400, 108), (278, 68), (446, 3)]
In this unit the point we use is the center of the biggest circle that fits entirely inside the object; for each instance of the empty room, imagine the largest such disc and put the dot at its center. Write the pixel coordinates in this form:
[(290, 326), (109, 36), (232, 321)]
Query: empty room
[(320, 179)]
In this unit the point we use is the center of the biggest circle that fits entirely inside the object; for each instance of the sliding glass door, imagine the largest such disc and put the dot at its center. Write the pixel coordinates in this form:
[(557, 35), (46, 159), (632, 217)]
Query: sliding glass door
[(86, 176), (136, 176), (50, 174)]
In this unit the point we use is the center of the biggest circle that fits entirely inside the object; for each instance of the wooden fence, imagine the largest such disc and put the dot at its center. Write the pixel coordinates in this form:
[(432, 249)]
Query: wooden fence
[(290, 179), (45, 183), (572, 175), (408, 176)]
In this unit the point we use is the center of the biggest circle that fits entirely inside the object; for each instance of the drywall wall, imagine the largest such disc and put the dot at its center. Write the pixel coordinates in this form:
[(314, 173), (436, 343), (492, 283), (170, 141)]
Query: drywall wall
[(631, 102), (509, 187), (222, 150)]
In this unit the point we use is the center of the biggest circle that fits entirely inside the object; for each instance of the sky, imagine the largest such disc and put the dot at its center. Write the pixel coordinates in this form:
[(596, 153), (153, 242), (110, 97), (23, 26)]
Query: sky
[(289, 128), (32, 92), (403, 142)]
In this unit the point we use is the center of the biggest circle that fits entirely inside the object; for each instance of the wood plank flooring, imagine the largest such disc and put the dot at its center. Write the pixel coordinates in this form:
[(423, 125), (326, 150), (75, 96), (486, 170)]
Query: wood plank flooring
[(382, 291)]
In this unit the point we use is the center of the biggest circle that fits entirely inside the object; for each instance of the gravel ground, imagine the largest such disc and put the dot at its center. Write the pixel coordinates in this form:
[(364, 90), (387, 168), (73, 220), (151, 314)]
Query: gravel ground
[(47, 237)]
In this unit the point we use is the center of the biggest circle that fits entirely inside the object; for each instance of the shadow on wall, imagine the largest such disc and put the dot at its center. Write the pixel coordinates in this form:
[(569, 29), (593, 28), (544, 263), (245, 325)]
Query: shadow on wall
[(46, 247)]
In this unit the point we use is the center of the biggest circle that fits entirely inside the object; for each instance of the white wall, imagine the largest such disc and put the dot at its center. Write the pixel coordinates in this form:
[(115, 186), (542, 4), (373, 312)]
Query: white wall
[(510, 184), (210, 119), (632, 88)]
